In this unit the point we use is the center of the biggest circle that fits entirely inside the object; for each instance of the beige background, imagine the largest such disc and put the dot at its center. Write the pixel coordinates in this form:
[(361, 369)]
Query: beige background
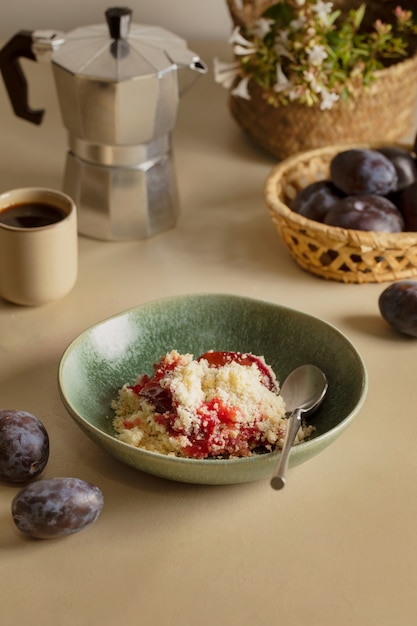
[(193, 19), (338, 546)]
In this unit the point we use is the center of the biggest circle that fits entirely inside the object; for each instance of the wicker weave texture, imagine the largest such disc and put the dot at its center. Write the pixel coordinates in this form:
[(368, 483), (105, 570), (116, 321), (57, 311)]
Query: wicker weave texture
[(349, 256)]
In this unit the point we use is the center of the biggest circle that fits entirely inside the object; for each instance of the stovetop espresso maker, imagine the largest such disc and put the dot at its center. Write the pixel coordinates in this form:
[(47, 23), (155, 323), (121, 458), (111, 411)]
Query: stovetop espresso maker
[(118, 87)]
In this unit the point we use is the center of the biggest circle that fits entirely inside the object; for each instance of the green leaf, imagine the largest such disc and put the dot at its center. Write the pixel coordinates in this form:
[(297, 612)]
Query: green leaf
[(358, 15), (333, 17)]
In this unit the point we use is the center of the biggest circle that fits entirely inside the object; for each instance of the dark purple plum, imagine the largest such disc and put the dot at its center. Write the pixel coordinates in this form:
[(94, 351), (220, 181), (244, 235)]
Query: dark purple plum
[(404, 164), (56, 507), (398, 306), (24, 446), (407, 204), (362, 171), (368, 212), (316, 199)]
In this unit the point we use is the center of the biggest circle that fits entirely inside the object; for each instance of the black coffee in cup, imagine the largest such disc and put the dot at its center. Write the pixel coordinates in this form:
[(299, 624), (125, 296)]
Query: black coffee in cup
[(31, 215)]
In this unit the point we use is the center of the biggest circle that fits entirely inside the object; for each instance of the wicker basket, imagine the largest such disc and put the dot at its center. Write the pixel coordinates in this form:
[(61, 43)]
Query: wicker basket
[(349, 256), (383, 113)]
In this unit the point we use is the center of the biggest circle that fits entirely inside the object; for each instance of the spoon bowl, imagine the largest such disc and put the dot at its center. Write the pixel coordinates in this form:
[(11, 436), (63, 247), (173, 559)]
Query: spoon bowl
[(303, 391)]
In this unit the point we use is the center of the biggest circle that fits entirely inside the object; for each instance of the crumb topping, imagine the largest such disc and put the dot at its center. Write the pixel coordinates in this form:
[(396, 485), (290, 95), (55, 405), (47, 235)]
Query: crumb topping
[(220, 405)]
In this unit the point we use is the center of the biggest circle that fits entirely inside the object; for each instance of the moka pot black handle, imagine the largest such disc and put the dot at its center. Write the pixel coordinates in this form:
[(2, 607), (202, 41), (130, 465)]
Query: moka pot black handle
[(20, 45)]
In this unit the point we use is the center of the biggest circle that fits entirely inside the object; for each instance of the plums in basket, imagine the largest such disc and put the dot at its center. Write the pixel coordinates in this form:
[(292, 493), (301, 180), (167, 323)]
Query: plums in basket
[(363, 171), (316, 199), (56, 507), (407, 204), (398, 306), (24, 446), (367, 212), (404, 164)]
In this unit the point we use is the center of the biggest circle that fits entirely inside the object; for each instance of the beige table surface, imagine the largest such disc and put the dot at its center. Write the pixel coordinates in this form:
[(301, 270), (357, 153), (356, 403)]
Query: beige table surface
[(337, 547)]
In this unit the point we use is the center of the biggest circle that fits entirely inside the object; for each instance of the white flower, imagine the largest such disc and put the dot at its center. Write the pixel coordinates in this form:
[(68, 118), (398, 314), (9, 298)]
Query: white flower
[(242, 51), (298, 24), (281, 45), (323, 9), (241, 89), (241, 46), (263, 27), (293, 95), (312, 80), (316, 55), (226, 73), (283, 52), (282, 81), (327, 99), (282, 37)]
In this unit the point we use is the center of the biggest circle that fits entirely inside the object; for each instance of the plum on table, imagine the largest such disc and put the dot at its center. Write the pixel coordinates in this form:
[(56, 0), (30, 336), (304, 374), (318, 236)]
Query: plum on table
[(56, 507), (398, 306), (24, 446)]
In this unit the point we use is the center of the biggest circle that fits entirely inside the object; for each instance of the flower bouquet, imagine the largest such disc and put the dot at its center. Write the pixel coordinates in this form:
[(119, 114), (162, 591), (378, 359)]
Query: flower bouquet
[(309, 73)]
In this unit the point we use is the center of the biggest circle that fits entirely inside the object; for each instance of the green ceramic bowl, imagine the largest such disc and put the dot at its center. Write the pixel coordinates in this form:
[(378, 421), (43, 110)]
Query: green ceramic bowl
[(115, 351)]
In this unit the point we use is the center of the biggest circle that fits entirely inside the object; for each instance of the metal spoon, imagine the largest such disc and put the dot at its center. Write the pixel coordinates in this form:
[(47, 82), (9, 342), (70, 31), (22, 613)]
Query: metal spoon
[(302, 390)]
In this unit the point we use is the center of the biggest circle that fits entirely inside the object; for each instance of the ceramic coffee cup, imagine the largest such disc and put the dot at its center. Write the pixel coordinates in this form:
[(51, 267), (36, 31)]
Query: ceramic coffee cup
[(38, 245)]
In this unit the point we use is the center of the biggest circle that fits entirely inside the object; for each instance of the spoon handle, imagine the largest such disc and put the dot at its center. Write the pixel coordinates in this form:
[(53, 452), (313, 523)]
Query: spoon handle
[(293, 426)]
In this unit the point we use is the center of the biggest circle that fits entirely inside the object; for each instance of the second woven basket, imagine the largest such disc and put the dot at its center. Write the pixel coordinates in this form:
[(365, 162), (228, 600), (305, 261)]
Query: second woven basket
[(349, 256)]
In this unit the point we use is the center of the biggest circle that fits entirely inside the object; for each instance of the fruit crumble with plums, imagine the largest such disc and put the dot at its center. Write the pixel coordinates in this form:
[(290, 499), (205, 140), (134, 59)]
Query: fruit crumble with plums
[(220, 405)]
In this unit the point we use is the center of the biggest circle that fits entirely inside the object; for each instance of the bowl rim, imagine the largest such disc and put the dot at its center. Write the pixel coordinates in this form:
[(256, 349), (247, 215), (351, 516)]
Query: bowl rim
[(305, 445)]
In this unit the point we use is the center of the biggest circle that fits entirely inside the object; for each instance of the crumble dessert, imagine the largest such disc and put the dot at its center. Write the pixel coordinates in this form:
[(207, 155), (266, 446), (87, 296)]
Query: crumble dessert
[(220, 405)]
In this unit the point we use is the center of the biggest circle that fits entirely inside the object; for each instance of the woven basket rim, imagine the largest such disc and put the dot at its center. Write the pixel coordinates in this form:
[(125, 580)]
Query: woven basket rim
[(400, 65), (357, 237)]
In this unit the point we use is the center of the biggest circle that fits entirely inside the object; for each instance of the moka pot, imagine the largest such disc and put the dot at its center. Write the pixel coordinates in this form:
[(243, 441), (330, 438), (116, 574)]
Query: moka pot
[(118, 86)]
